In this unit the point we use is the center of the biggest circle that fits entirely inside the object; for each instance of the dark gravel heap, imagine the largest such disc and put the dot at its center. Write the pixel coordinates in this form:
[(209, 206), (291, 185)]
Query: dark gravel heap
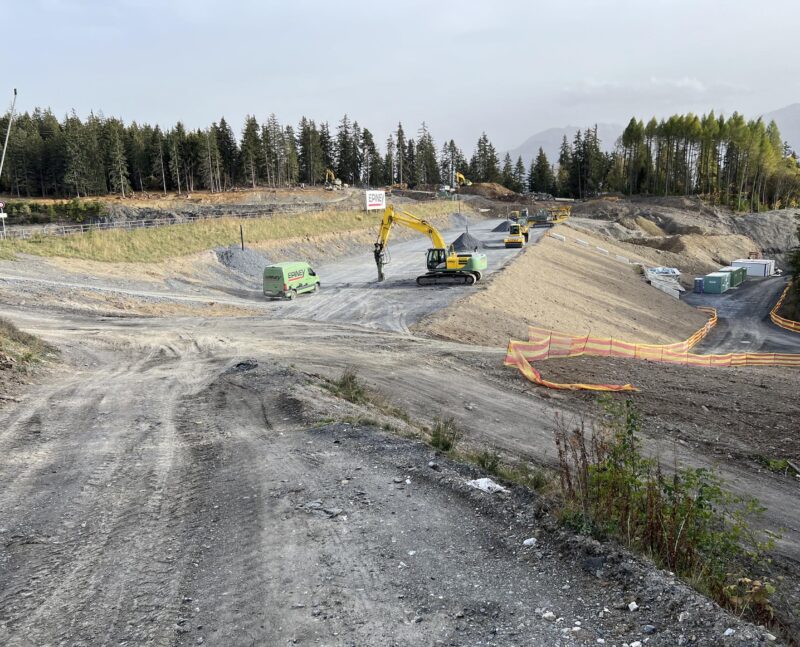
[(247, 262), (466, 242), (503, 226)]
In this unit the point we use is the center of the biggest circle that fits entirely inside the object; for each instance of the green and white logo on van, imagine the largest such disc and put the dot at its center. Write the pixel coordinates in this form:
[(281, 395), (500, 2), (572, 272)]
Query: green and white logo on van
[(287, 280)]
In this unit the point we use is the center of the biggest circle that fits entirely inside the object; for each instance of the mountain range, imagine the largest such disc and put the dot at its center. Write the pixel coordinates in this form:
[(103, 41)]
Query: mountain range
[(787, 118)]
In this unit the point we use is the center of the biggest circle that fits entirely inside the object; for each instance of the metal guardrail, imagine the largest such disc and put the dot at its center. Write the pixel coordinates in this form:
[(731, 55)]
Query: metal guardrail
[(25, 233)]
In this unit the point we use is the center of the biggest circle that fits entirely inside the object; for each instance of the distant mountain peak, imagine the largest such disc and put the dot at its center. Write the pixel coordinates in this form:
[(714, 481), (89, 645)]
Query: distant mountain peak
[(550, 139), (788, 120)]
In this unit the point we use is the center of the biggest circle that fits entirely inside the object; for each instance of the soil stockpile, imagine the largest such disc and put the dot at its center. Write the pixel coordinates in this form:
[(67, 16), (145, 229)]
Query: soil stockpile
[(488, 190), (569, 288), (503, 226), (466, 242)]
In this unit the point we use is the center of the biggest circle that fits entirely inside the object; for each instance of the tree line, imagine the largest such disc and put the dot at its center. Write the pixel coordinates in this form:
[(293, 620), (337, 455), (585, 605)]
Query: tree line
[(740, 163)]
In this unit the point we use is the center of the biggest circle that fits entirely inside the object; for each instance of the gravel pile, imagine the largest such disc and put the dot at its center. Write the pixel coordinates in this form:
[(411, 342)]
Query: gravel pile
[(466, 242), (503, 226), (245, 261)]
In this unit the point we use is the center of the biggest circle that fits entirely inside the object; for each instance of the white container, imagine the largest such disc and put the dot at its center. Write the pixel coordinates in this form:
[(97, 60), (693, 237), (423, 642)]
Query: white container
[(756, 266)]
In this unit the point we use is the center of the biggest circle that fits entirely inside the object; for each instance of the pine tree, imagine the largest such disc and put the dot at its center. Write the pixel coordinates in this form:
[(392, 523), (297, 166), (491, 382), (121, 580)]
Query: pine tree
[(251, 152), (118, 169), (519, 175), (541, 178), (402, 155), (229, 154), (507, 174)]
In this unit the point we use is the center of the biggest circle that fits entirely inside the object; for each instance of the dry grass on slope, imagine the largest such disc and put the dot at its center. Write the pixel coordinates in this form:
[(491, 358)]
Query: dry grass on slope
[(158, 244)]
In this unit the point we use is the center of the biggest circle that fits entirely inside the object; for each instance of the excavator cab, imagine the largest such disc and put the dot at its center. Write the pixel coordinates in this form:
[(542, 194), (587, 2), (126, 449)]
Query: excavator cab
[(437, 259)]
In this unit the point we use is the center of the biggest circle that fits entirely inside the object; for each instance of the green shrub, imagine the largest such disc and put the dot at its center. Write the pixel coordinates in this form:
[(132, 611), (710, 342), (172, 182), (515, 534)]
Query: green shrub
[(687, 520)]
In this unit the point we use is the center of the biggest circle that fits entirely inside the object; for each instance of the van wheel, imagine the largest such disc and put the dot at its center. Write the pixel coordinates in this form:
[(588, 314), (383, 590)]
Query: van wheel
[(316, 287), (291, 295)]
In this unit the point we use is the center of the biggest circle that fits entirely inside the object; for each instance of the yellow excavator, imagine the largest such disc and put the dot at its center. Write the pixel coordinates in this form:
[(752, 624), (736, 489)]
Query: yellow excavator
[(332, 183), (461, 180), (445, 265)]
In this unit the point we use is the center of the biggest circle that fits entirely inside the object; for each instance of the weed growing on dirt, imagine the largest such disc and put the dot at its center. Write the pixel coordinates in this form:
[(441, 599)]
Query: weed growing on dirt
[(349, 387), (488, 460), (444, 434), (686, 520), (777, 465)]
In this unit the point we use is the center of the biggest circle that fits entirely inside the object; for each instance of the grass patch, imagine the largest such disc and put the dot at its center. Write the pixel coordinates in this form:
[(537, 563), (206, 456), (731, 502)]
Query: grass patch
[(687, 521), (777, 465), (160, 243), (349, 387), (521, 474), (18, 348)]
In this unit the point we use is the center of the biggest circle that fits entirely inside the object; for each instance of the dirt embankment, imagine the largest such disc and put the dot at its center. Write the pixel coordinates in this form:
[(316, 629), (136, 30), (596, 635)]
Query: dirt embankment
[(571, 288), (20, 355)]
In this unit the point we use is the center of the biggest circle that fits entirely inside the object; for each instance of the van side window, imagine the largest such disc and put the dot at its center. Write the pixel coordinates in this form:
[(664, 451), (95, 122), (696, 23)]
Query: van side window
[(311, 272)]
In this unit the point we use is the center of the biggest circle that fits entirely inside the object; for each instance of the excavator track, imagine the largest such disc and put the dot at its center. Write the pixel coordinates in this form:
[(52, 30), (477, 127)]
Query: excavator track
[(448, 278)]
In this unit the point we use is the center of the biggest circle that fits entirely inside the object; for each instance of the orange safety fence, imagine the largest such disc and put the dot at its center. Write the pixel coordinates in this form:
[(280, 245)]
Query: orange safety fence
[(546, 344), (783, 322)]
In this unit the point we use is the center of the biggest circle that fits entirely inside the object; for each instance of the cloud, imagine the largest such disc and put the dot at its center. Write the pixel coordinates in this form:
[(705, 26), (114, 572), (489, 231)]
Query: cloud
[(656, 91)]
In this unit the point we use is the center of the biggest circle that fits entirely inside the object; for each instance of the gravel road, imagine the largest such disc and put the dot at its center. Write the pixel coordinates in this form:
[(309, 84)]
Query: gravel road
[(744, 324)]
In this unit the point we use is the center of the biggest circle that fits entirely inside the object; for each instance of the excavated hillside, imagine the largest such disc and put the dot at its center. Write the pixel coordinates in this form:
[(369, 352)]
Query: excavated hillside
[(705, 236), (571, 288)]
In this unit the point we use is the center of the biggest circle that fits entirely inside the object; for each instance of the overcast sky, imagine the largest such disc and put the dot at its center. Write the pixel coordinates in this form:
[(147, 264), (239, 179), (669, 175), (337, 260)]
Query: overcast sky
[(509, 67)]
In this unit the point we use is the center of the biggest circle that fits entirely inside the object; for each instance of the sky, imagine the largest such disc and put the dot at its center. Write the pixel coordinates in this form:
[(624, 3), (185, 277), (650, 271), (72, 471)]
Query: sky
[(507, 67)]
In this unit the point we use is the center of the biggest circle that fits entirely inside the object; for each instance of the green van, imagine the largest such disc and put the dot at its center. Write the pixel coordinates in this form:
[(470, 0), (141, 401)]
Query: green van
[(287, 280)]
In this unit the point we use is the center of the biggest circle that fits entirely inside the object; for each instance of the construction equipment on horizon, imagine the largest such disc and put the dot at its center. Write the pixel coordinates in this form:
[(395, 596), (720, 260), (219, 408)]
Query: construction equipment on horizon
[(332, 183), (445, 265), (461, 180)]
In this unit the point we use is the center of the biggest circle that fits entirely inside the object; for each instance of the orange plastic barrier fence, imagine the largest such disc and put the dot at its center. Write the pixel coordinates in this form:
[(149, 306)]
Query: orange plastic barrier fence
[(787, 324), (547, 344)]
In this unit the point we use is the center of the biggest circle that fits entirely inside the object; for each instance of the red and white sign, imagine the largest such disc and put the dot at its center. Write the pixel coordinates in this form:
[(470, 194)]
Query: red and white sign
[(376, 200), (2, 205)]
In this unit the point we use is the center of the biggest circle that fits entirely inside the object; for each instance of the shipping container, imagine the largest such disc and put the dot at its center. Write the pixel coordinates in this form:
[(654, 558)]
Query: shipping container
[(756, 266), (698, 285), (717, 282), (738, 275)]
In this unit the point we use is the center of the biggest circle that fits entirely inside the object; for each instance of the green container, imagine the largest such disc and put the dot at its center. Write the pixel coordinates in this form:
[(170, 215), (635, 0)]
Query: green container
[(737, 274), (717, 283)]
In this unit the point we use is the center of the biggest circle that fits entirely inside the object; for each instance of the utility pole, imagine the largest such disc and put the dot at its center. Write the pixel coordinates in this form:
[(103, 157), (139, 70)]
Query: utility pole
[(8, 131)]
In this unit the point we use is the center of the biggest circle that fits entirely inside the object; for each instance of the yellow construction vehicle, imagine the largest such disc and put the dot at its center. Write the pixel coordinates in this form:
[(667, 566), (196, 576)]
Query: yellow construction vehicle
[(445, 265), (332, 183), (516, 237), (461, 180)]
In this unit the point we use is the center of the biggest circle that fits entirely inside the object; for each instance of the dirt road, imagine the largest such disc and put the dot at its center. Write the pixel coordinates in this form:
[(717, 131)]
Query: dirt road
[(166, 490)]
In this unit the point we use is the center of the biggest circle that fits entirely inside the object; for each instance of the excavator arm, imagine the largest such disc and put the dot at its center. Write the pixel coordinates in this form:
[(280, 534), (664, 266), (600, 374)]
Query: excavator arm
[(391, 216)]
